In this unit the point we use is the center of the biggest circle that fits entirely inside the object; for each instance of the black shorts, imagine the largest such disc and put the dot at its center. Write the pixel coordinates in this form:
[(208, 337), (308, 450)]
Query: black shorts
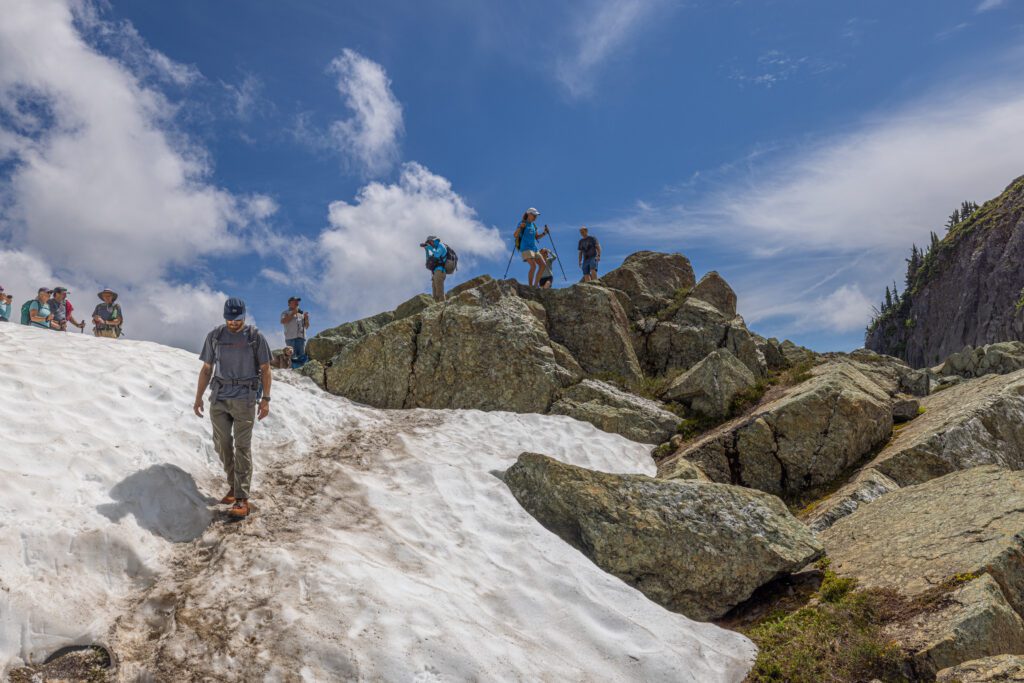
[(546, 279)]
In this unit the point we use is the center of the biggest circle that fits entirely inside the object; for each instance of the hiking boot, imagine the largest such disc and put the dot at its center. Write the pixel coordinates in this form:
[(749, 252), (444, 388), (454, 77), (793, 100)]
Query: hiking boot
[(228, 499), (240, 509)]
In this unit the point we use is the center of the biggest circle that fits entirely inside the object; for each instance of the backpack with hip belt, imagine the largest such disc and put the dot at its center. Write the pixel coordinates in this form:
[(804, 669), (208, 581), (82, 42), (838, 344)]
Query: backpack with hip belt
[(253, 383)]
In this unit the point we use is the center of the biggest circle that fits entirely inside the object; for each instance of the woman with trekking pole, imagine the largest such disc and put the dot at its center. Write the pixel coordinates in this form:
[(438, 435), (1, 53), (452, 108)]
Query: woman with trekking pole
[(526, 240)]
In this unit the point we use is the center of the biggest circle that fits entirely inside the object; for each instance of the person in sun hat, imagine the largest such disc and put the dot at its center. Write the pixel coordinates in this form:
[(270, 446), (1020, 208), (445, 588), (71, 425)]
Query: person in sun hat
[(296, 322), (107, 319), (437, 264), (236, 367), (63, 311), (526, 237)]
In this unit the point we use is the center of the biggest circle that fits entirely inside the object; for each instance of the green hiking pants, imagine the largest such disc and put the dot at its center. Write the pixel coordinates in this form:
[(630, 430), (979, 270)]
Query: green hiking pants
[(437, 284), (233, 419)]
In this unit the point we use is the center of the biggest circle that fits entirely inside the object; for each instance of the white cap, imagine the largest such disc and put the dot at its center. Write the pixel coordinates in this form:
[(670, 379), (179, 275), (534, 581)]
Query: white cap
[(533, 211)]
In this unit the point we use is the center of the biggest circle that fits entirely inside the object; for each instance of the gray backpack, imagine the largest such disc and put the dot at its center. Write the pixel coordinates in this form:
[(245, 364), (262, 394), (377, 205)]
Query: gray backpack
[(253, 383)]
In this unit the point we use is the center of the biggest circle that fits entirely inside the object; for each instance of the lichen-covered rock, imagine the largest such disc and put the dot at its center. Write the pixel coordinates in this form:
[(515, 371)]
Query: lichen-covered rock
[(802, 441), (469, 284), (590, 322), (1006, 668), (771, 349), (651, 279), (966, 526), (483, 349), (695, 329), (330, 342), (867, 486), (795, 354), (710, 386), (713, 289), (976, 422), (616, 411), (1000, 358), (314, 369), (697, 548), (975, 620), (905, 409)]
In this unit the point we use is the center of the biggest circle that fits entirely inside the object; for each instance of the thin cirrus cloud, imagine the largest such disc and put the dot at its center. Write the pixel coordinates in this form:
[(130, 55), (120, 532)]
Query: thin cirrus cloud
[(102, 188), (598, 31), (813, 236), (370, 137), (986, 5)]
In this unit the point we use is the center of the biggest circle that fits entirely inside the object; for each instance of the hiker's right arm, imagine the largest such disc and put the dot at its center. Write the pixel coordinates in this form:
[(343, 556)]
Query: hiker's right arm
[(204, 381)]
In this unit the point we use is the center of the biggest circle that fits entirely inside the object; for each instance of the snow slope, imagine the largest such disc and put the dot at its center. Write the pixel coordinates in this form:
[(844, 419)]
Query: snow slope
[(383, 549)]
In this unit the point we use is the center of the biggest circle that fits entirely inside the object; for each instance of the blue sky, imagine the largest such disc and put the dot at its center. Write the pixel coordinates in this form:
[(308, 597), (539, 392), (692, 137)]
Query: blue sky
[(184, 151)]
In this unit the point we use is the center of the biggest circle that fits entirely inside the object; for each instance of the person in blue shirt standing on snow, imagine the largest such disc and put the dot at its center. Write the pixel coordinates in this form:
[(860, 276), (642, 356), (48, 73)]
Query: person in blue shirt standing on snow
[(5, 306), (437, 255), (526, 242)]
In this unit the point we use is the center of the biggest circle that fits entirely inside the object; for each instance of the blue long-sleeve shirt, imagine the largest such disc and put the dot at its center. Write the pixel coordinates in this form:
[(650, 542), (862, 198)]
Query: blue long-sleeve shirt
[(439, 252), (5, 311)]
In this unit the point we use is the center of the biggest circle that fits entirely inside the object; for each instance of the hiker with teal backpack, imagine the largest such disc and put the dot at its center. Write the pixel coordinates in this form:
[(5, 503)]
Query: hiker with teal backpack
[(236, 366), (36, 312), (442, 261), (526, 242), (5, 306)]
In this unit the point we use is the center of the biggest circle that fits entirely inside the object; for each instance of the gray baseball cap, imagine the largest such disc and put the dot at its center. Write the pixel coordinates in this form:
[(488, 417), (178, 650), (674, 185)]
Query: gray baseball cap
[(532, 211)]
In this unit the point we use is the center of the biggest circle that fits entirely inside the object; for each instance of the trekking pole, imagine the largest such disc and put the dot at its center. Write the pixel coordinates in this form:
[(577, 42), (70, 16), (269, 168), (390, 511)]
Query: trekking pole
[(505, 276), (557, 257)]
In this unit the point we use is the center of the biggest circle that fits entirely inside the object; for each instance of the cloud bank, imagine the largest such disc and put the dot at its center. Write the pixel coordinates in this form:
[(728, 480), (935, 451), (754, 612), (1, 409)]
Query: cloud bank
[(370, 137)]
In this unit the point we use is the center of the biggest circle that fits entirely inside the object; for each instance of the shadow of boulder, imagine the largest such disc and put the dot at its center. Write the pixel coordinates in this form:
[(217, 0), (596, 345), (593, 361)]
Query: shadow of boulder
[(164, 500)]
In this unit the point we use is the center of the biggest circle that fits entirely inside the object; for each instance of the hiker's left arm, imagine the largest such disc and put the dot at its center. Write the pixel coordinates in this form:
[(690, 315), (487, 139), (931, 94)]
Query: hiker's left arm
[(265, 377)]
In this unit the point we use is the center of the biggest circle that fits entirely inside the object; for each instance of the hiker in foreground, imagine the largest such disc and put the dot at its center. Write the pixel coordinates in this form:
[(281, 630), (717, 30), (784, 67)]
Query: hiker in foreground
[(526, 242), (236, 367), (441, 262), (546, 276), (590, 255), (106, 317), (37, 312), (296, 322), (62, 310), (5, 306)]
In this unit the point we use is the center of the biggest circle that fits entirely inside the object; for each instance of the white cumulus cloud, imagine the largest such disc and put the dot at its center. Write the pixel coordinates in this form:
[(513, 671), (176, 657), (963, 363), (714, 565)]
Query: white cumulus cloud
[(372, 250), (370, 136)]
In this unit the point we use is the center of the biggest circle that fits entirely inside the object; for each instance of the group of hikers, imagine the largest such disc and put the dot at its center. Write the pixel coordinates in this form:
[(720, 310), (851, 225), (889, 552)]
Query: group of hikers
[(442, 259), (51, 310)]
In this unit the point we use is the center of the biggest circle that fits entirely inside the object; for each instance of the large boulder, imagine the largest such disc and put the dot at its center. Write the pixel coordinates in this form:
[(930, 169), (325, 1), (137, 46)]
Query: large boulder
[(1000, 358), (802, 441), (616, 411), (966, 526), (689, 333), (651, 279), (868, 485), (997, 669), (710, 386), (484, 349), (330, 342), (694, 547), (590, 321), (714, 290), (975, 422)]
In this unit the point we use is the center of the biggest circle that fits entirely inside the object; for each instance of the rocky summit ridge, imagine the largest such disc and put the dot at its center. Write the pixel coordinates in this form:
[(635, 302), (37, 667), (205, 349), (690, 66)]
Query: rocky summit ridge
[(793, 491)]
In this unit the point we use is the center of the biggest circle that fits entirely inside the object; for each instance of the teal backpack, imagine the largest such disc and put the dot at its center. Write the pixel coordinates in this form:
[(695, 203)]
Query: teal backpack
[(26, 319)]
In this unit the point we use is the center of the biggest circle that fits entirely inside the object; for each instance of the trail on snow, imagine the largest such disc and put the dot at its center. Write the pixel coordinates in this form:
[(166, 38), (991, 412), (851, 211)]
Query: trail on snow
[(178, 629)]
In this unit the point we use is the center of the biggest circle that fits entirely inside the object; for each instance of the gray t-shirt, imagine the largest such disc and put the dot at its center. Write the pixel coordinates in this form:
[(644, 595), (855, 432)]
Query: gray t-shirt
[(236, 359), (293, 329), (107, 311)]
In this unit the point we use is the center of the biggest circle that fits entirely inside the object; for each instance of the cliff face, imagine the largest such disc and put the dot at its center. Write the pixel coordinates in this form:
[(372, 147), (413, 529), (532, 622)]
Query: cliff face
[(969, 291)]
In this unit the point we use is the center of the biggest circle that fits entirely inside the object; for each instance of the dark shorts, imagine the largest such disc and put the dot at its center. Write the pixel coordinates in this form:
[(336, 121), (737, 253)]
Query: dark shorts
[(590, 266), (546, 279)]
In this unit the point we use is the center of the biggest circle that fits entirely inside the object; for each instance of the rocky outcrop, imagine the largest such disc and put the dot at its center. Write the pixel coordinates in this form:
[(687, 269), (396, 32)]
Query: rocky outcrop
[(998, 669), (651, 279), (483, 349), (868, 485), (964, 531), (314, 369), (714, 290), (802, 441), (710, 386), (968, 290), (905, 409), (616, 411), (697, 548), (995, 359), (330, 342), (690, 332)]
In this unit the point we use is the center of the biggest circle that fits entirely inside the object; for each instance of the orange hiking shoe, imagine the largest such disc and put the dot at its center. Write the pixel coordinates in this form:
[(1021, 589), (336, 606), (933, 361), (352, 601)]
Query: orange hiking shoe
[(240, 509), (228, 499)]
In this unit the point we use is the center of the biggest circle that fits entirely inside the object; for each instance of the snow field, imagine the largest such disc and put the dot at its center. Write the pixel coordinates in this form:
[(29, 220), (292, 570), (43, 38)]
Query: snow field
[(388, 552)]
